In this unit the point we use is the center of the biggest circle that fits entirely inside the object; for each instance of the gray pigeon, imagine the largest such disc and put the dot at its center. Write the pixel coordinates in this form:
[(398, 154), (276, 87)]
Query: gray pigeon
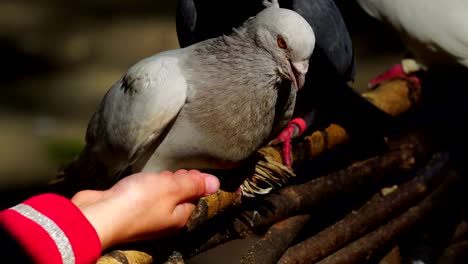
[(326, 97), (210, 105)]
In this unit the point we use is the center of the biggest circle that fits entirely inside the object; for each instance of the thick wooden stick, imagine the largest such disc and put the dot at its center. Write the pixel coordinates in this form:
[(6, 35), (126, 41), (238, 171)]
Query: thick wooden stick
[(276, 240), (359, 177), (456, 253), (394, 97), (292, 200), (368, 247), (370, 216), (211, 206), (125, 256)]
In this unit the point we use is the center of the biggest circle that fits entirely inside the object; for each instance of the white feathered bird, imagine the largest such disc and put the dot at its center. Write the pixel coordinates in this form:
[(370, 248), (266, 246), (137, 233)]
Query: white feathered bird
[(210, 105), (434, 31)]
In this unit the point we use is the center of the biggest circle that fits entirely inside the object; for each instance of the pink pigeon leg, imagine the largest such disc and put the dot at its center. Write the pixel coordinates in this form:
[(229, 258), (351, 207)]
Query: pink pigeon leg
[(294, 128), (396, 71)]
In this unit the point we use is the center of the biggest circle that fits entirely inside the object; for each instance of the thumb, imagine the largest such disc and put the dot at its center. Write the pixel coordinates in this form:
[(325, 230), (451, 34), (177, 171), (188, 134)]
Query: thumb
[(182, 213), (195, 185), (211, 184), (87, 197)]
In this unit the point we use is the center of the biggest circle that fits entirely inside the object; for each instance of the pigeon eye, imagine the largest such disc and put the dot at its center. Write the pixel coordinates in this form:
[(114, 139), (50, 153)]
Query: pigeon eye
[(281, 43)]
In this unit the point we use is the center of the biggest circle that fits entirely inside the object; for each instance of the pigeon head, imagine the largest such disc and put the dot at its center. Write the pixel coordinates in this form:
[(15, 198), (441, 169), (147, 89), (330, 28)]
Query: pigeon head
[(288, 37)]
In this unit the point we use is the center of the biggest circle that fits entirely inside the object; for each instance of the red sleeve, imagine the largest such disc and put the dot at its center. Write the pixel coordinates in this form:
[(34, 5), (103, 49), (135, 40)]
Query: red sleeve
[(52, 230)]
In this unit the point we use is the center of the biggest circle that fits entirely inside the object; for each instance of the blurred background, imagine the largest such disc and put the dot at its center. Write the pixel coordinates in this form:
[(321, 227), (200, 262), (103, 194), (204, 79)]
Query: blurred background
[(60, 57)]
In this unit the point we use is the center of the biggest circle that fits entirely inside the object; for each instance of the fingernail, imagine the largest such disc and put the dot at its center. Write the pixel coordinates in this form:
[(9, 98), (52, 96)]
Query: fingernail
[(211, 184)]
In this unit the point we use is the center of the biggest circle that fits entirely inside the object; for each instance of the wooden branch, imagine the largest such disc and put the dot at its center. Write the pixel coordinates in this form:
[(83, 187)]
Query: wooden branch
[(293, 200), (461, 233), (276, 240), (426, 241), (370, 216), (231, 229), (394, 96), (357, 178), (317, 143), (125, 256), (456, 253), (372, 245), (392, 257), (457, 250), (211, 206)]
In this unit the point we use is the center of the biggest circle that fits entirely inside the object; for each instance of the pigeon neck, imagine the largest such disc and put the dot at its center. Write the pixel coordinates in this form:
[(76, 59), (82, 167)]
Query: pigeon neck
[(234, 60)]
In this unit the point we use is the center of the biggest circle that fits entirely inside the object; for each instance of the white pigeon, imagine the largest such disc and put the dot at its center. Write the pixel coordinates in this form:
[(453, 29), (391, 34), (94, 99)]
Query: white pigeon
[(210, 105), (434, 31)]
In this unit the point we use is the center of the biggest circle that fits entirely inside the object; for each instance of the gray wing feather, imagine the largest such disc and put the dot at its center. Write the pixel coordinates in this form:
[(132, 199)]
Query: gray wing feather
[(136, 111)]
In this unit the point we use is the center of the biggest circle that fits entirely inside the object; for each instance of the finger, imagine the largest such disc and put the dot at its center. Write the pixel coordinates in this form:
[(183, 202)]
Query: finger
[(192, 186), (211, 184), (181, 171), (182, 213)]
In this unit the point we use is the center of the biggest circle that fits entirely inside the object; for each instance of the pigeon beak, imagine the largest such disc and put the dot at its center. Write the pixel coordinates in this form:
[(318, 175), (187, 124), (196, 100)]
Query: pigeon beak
[(298, 72)]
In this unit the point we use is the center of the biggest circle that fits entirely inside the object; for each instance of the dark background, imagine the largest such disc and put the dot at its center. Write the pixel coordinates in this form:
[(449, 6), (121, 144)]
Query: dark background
[(60, 57)]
